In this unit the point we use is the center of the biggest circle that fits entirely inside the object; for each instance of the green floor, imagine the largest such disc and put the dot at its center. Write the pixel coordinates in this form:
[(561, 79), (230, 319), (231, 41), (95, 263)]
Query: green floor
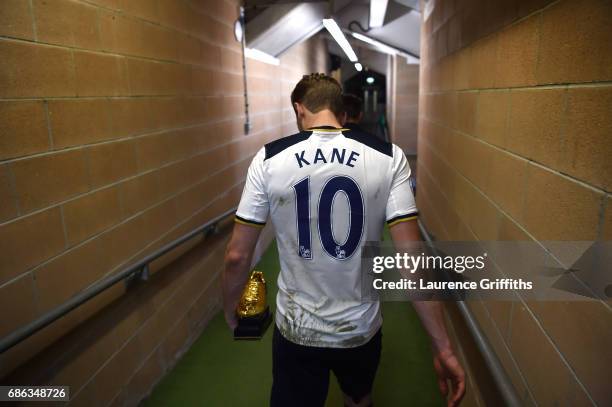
[(218, 371)]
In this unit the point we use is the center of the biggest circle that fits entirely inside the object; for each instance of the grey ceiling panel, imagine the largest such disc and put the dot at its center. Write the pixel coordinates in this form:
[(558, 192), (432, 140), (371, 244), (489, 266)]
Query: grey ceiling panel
[(413, 4), (280, 26), (276, 26)]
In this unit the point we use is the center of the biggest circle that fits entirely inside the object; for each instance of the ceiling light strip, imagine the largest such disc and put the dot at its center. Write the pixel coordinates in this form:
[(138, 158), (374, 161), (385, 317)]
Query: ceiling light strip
[(336, 32), (378, 9)]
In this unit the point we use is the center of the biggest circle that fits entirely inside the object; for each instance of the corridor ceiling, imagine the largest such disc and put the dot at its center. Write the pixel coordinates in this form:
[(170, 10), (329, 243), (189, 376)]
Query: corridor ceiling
[(275, 26)]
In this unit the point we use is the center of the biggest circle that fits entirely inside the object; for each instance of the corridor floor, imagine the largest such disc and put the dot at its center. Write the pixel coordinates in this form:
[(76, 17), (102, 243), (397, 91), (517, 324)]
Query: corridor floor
[(218, 371)]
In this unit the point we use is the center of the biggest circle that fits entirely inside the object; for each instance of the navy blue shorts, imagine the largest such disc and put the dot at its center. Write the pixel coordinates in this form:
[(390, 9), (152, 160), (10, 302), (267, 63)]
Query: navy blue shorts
[(301, 373)]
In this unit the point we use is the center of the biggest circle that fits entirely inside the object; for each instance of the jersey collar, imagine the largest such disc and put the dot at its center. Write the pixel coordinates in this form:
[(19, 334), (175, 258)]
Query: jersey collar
[(324, 129)]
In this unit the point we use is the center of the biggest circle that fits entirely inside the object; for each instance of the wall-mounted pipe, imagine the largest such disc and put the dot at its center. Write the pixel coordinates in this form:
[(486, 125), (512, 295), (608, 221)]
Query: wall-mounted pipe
[(247, 120)]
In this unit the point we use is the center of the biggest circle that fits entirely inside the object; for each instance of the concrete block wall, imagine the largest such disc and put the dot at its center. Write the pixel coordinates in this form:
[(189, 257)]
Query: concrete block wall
[(121, 128), (515, 144), (116, 356)]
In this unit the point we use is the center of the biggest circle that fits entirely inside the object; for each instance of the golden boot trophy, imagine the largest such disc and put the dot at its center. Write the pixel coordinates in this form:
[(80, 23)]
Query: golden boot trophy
[(253, 311)]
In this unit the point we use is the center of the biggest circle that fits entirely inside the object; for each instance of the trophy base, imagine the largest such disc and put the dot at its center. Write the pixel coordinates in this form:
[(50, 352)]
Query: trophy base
[(253, 327)]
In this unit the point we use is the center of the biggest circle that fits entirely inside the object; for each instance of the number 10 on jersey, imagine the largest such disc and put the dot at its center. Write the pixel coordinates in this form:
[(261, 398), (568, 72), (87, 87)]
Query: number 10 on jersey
[(333, 186)]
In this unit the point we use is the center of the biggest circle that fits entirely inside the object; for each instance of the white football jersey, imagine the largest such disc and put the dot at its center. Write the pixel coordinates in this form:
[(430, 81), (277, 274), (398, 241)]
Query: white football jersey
[(327, 192)]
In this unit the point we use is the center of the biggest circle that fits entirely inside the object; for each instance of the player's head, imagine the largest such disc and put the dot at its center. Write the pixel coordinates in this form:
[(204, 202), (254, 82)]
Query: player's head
[(315, 93), (353, 107)]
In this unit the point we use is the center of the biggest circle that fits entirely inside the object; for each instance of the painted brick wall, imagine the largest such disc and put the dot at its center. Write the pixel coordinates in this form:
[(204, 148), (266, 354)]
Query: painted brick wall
[(121, 128), (515, 144)]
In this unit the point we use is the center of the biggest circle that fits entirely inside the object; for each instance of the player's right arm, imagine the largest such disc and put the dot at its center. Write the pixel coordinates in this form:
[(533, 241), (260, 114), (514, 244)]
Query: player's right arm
[(251, 216)]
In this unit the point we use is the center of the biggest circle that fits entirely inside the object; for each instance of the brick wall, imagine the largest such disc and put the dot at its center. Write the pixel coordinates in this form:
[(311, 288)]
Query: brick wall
[(121, 128), (515, 144), (405, 100)]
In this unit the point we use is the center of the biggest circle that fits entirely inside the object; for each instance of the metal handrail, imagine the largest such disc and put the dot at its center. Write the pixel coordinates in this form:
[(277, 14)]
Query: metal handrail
[(500, 377), (139, 269)]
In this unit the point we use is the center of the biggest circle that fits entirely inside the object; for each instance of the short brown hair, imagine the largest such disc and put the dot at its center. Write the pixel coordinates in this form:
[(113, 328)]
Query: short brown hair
[(318, 91), (353, 106)]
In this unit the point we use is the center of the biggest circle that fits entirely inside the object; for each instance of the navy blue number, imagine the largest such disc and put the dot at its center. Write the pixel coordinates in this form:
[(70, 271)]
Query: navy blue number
[(335, 249), (302, 206)]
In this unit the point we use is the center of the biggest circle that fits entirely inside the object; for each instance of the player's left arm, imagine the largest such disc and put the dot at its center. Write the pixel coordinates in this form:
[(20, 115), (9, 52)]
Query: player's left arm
[(402, 221), (431, 313), (238, 258)]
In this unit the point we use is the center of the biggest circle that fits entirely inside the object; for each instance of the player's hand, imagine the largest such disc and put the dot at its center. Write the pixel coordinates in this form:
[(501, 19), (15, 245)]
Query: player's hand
[(449, 369)]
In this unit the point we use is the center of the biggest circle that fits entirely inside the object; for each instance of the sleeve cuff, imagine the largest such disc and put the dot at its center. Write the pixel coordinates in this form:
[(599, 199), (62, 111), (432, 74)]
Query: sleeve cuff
[(248, 222), (402, 218)]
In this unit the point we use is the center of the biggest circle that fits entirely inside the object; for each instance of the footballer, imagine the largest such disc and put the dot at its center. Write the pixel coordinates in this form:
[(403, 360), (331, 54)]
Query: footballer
[(328, 190)]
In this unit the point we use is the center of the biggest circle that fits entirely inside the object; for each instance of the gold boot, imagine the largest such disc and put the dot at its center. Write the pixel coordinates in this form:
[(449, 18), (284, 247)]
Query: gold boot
[(253, 299)]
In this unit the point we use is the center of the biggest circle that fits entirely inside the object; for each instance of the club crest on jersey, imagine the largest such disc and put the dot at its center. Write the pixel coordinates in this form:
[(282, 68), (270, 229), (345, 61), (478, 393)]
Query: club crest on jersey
[(338, 156), (340, 253), (305, 253)]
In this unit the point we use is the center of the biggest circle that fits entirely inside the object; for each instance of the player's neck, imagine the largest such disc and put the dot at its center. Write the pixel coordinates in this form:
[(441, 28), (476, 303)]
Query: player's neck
[(323, 118)]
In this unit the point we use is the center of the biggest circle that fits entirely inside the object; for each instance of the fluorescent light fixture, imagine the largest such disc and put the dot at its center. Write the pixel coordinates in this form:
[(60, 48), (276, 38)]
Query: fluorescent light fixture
[(410, 60), (336, 32), (261, 56), (382, 47), (358, 66), (378, 9), (385, 48)]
